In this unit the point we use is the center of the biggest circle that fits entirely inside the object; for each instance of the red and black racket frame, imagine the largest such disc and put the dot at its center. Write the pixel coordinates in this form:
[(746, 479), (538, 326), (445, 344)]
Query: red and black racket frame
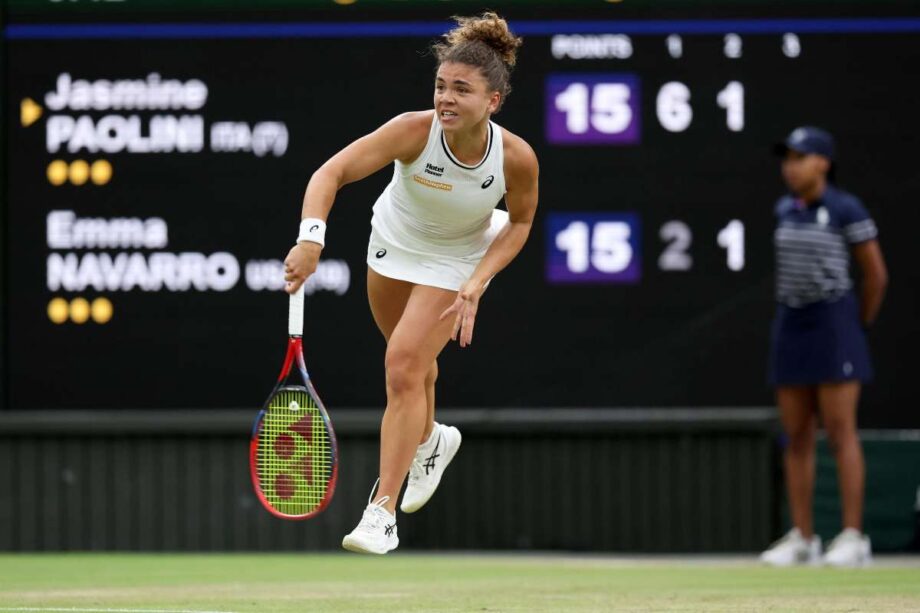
[(294, 353)]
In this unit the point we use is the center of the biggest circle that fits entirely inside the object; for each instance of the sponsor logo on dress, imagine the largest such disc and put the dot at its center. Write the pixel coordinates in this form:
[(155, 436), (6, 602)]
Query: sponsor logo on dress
[(434, 170), (488, 181), (381, 253), (822, 217), (435, 184)]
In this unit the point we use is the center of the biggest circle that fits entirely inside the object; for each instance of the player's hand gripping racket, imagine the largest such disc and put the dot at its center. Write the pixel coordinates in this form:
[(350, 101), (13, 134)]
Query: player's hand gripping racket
[(293, 456)]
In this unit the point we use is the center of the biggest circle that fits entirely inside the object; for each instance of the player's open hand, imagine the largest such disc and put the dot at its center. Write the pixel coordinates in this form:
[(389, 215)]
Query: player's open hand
[(464, 310), (299, 264)]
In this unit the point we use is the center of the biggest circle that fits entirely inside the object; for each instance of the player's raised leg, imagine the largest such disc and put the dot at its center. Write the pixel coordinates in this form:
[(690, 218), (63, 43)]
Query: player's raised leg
[(388, 298), (430, 379), (415, 342), (439, 446), (439, 443)]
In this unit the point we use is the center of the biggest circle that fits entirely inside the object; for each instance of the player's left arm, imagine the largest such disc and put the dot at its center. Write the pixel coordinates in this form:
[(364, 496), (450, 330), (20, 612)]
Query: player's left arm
[(522, 185), (860, 231), (868, 256)]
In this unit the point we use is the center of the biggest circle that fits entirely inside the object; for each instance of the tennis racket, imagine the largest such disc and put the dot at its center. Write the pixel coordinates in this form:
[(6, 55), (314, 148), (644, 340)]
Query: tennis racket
[(293, 456)]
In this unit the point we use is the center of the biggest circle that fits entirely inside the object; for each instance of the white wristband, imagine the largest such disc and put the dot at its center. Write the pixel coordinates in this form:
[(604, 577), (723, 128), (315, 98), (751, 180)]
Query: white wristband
[(313, 230)]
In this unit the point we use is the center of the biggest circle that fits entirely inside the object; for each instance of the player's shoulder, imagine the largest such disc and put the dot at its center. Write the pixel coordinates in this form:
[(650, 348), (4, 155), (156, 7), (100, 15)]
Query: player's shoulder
[(520, 158), (843, 199), (407, 133), (845, 208), (416, 122), (784, 205)]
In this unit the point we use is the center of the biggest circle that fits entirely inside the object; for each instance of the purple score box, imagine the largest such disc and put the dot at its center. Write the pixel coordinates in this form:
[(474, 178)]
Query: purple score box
[(592, 109), (592, 245)]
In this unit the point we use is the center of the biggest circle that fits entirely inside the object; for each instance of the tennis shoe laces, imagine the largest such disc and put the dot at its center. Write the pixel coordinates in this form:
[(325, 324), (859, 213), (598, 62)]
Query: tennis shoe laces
[(376, 532)]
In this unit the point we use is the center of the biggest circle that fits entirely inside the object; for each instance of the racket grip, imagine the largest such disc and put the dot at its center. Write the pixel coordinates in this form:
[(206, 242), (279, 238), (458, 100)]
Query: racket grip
[(295, 314)]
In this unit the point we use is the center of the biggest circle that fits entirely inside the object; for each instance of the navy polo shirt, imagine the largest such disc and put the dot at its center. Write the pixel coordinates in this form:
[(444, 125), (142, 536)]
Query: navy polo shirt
[(813, 245)]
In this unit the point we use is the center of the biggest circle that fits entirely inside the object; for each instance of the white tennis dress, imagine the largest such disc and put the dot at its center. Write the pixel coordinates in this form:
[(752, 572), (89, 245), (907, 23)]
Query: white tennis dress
[(435, 220)]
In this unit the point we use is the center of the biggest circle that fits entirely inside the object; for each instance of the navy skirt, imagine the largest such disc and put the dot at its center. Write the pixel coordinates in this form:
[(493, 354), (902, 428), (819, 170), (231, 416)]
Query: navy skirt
[(819, 343)]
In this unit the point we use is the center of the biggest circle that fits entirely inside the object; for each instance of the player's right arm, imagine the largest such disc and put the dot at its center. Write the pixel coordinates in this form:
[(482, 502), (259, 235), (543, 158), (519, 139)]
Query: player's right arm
[(402, 138)]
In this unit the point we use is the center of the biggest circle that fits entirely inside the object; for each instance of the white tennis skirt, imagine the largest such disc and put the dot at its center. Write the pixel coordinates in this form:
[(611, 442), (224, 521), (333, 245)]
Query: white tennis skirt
[(433, 269)]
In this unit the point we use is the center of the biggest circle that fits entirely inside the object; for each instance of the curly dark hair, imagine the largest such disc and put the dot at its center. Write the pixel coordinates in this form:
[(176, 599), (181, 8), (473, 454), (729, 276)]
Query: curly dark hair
[(486, 43)]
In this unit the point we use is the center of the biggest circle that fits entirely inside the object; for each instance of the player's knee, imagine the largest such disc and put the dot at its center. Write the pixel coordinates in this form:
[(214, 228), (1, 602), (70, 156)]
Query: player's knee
[(800, 429), (404, 372), (801, 442), (840, 434), (800, 437), (432, 375)]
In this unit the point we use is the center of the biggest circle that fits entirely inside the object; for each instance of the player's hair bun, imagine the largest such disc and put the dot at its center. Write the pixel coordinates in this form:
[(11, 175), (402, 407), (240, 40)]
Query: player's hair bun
[(486, 43), (490, 29)]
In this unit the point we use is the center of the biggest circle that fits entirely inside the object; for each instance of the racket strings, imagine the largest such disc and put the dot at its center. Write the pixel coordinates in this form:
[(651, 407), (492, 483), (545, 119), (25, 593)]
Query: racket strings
[(294, 453)]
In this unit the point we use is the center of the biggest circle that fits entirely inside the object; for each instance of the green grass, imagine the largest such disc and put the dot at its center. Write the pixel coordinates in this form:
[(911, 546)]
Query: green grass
[(409, 582)]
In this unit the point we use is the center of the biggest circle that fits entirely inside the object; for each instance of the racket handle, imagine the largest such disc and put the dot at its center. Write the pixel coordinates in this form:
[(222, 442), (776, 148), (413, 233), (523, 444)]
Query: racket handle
[(295, 314)]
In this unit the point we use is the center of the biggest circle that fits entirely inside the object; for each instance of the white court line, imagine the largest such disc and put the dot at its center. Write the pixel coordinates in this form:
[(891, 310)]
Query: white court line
[(75, 610)]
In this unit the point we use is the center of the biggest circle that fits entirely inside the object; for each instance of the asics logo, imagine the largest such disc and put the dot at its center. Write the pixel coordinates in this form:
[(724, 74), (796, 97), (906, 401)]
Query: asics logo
[(314, 227), (388, 530), (381, 253), (488, 181), (429, 462)]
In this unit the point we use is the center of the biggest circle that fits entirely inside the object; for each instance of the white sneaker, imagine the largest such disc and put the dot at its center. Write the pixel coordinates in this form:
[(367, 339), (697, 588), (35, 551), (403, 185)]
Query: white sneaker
[(793, 549), (428, 466), (849, 549), (376, 532)]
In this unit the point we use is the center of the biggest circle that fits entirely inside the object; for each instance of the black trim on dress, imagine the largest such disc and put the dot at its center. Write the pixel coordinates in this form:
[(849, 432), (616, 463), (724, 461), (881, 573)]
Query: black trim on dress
[(461, 164)]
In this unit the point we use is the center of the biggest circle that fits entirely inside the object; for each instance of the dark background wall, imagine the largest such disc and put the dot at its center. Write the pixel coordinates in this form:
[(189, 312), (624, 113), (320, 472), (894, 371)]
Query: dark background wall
[(606, 480), (695, 337)]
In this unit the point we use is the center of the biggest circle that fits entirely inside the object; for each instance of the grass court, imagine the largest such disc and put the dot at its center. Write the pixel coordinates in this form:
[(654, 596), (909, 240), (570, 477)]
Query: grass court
[(172, 583)]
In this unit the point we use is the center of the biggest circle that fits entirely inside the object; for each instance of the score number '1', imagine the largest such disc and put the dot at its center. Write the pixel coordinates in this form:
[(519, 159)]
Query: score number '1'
[(604, 247), (605, 109)]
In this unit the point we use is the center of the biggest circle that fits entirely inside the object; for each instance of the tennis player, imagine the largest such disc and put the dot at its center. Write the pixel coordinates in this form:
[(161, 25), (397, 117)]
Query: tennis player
[(819, 356), (437, 240)]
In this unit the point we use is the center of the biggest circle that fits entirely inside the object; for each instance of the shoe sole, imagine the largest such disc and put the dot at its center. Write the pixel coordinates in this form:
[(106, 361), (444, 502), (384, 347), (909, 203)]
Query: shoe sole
[(811, 561), (355, 546), (447, 462)]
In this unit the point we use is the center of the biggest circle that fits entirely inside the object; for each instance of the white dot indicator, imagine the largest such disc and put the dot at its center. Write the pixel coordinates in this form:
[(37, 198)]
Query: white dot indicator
[(792, 46), (294, 406), (675, 46), (733, 46)]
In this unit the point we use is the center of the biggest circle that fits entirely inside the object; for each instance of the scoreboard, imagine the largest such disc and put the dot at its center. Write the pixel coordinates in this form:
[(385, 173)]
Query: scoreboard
[(156, 168)]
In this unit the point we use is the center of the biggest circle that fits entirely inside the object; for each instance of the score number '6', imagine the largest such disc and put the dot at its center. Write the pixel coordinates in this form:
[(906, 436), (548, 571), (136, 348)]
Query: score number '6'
[(607, 107)]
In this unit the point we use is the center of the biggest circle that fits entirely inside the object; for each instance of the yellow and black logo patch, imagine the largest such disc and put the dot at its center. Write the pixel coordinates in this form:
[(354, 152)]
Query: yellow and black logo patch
[(435, 184)]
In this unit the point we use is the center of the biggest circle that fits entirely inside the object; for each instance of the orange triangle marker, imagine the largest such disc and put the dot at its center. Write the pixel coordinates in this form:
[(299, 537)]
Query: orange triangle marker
[(29, 112)]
